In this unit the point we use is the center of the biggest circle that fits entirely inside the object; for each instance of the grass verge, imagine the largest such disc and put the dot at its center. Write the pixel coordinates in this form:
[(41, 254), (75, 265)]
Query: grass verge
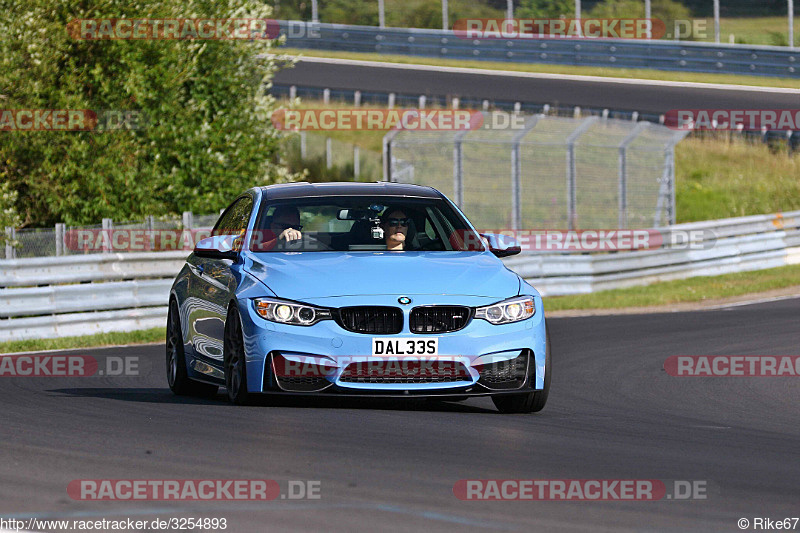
[(698, 289), (645, 74), (87, 341)]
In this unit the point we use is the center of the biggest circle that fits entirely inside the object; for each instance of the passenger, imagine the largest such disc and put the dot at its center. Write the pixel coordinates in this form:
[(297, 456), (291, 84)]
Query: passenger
[(395, 229)]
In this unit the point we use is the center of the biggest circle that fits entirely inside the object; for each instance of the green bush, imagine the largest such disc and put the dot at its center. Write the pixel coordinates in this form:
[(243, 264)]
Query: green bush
[(207, 135), (666, 10)]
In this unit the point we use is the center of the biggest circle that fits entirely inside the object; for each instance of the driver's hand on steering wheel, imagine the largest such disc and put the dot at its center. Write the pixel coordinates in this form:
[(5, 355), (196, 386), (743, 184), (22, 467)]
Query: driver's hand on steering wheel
[(290, 234)]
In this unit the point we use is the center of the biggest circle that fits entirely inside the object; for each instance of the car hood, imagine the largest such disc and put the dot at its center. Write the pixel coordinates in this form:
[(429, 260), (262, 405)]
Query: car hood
[(299, 276)]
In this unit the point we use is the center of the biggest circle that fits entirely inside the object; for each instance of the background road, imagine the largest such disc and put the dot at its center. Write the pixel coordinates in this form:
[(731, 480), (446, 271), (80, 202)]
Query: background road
[(613, 414), (637, 95)]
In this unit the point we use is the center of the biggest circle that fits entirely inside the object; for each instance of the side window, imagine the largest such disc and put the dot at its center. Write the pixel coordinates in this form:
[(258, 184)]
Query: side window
[(235, 218)]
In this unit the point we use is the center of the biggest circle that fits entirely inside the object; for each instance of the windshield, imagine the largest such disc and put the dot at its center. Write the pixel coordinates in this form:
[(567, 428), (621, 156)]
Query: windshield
[(362, 223)]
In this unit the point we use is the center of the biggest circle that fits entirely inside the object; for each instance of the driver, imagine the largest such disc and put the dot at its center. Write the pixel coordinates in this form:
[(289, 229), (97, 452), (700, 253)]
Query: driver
[(285, 223), (284, 226)]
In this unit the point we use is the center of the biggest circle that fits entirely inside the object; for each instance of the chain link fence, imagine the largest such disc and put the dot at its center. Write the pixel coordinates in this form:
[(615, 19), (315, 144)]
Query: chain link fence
[(150, 234), (554, 172)]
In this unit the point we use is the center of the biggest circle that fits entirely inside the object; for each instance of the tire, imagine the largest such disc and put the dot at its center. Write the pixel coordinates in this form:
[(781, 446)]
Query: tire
[(234, 358), (177, 376), (529, 402)]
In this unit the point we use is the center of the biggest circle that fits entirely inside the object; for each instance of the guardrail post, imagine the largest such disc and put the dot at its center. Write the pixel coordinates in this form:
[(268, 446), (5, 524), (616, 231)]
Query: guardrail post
[(187, 220), (791, 23), (326, 96), (516, 172), (60, 235), (381, 14), (293, 92), (11, 235), (328, 153), (108, 228), (303, 147), (445, 21), (357, 99), (572, 197), (356, 162), (390, 103), (458, 168)]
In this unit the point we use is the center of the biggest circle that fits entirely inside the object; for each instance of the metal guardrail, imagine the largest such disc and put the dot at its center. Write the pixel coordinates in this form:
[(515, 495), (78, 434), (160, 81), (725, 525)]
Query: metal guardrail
[(81, 295), (662, 55), (741, 244)]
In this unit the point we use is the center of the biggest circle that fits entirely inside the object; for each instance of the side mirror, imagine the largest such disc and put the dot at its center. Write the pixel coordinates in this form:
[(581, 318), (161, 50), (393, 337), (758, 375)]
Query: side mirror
[(219, 247), (501, 245)]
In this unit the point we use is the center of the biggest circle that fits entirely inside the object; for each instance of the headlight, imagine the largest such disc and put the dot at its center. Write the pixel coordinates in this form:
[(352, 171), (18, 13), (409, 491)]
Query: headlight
[(285, 312), (513, 310)]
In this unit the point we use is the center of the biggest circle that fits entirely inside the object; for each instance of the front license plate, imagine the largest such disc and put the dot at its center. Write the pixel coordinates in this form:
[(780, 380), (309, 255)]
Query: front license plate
[(405, 346)]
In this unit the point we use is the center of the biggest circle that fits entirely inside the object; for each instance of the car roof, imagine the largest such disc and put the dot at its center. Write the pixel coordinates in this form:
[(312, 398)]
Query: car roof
[(347, 188)]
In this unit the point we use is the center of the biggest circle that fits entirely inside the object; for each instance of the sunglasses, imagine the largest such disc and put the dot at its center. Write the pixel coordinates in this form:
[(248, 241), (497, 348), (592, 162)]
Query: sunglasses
[(283, 226), (397, 221)]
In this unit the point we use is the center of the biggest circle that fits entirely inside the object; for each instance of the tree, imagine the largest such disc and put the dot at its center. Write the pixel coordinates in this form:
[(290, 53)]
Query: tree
[(206, 134), (544, 9)]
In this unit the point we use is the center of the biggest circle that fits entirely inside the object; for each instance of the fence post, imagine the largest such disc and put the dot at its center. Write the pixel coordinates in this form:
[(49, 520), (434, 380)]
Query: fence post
[(326, 96), (60, 235), (572, 196), (458, 168), (381, 14), (150, 226), (328, 153), (791, 23), (516, 172), (387, 154), (357, 99), (108, 228), (356, 162), (303, 147), (11, 235), (293, 92), (390, 103), (622, 218)]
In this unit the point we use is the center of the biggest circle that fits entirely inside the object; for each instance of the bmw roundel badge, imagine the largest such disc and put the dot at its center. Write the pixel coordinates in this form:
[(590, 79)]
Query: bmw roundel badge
[(405, 300)]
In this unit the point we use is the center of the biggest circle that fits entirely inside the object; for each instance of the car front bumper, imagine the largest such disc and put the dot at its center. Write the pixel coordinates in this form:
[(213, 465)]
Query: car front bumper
[(327, 359)]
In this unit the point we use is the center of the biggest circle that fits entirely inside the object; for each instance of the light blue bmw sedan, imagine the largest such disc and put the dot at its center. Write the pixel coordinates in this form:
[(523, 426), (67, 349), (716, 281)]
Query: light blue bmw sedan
[(359, 289)]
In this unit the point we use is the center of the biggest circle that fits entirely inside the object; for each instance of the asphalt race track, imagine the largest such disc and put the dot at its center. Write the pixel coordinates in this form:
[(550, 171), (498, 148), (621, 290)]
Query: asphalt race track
[(637, 95), (391, 465)]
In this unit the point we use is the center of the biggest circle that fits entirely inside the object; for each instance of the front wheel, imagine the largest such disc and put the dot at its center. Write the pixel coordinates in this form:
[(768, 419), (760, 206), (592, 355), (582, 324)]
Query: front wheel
[(177, 376), (235, 364), (529, 402)]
